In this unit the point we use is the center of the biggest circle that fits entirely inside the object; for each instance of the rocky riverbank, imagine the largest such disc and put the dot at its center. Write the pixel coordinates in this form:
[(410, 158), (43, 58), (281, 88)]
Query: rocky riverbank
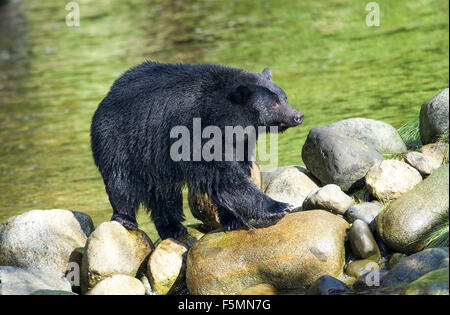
[(370, 217)]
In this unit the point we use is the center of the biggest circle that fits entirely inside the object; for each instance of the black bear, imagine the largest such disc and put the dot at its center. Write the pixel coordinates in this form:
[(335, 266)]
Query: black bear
[(131, 142)]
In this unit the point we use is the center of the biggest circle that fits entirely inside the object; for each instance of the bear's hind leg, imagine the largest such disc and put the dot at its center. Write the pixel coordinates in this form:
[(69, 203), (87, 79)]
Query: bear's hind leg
[(124, 208), (167, 213)]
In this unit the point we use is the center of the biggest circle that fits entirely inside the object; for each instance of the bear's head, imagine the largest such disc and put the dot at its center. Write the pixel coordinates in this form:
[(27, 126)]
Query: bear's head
[(266, 102)]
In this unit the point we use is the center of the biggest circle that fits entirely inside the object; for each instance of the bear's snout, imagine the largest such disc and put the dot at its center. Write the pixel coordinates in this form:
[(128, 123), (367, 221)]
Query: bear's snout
[(298, 119)]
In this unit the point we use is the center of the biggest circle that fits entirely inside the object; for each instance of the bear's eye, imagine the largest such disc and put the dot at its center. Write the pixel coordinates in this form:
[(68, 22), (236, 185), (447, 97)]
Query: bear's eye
[(275, 105)]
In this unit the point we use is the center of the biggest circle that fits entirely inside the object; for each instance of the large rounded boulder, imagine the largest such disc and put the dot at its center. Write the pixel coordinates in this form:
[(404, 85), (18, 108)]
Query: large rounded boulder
[(376, 134), (405, 224), (43, 238), (112, 249), (434, 117), (334, 158), (24, 281), (295, 252)]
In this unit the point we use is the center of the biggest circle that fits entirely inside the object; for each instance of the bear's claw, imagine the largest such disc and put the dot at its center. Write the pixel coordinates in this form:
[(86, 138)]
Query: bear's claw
[(233, 224), (275, 214)]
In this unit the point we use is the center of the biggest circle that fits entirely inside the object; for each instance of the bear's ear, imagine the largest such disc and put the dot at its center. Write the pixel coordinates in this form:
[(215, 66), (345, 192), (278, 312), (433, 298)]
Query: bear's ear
[(267, 74), (240, 95)]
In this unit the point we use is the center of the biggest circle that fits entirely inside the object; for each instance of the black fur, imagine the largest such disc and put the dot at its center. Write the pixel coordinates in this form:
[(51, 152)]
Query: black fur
[(131, 143)]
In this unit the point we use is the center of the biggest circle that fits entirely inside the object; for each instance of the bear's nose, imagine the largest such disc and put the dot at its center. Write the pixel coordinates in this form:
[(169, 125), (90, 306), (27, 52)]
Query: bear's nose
[(298, 119)]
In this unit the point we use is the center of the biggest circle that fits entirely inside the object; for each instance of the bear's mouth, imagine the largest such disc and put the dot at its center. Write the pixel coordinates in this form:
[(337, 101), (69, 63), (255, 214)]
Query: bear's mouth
[(290, 124), (296, 120)]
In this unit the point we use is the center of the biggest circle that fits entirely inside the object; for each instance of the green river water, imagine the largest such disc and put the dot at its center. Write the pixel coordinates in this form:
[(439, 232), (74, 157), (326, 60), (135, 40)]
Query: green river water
[(330, 63)]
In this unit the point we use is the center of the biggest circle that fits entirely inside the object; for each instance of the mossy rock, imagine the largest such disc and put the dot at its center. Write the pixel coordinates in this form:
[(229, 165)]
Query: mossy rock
[(295, 252), (405, 224), (432, 283)]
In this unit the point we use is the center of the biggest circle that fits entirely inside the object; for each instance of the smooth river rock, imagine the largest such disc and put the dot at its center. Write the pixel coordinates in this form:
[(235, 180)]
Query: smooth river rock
[(434, 117), (436, 153), (390, 179), (327, 285), (362, 242), (358, 268), (118, 285), (432, 283), (295, 252), (166, 266), (376, 134), (112, 249), (407, 221), (24, 281), (292, 186), (334, 158), (365, 211), (330, 198), (415, 266), (269, 175), (420, 162), (43, 238)]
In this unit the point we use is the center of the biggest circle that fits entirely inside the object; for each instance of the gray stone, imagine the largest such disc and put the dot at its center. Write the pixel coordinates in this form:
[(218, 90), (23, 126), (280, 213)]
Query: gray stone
[(43, 238), (434, 117), (358, 268), (436, 153), (390, 179), (292, 186), (377, 135), (166, 268), (432, 283), (270, 174), (362, 242), (413, 267), (334, 158), (147, 286), (395, 259), (420, 162), (25, 281), (330, 198), (369, 281), (327, 285), (405, 224), (112, 249), (366, 211), (118, 285)]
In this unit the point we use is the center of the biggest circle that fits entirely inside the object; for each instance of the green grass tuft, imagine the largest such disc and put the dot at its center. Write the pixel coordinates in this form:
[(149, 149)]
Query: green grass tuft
[(444, 137), (410, 132), (439, 237), (396, 156)]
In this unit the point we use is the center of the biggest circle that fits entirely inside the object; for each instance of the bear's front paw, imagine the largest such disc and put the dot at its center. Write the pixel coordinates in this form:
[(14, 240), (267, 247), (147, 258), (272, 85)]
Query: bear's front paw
[(232, 224), (280, 208), (272, 215)]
